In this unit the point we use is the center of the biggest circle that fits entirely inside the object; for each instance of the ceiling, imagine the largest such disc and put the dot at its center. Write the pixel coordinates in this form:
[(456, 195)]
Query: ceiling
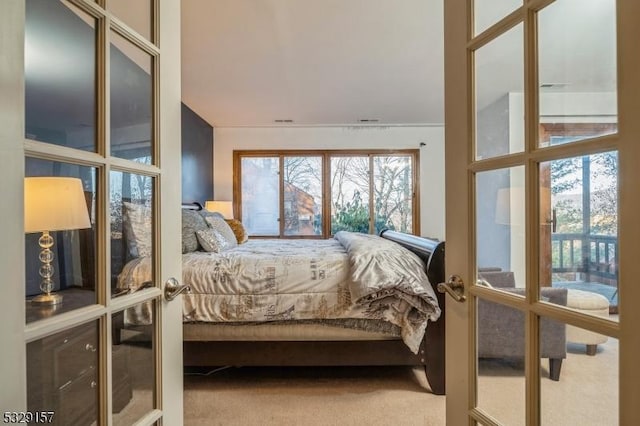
[(336, 62), (328, 62)]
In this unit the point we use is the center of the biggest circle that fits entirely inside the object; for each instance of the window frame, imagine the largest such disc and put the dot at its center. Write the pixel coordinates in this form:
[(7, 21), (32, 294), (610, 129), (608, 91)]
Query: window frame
[(326, 155)]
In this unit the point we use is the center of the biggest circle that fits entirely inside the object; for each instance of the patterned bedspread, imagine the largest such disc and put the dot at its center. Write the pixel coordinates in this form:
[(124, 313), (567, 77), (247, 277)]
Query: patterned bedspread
[(275, 280)]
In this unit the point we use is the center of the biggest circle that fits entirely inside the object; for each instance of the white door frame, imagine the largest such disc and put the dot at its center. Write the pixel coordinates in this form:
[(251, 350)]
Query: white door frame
[(460, 170), (170, 197), (12, 249), (457, 205)]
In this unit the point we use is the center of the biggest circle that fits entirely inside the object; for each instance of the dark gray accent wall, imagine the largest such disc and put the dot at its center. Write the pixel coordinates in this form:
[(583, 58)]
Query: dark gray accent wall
[(197, 158)]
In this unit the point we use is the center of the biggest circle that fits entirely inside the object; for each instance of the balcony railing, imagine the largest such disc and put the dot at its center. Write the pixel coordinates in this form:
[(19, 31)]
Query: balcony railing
[(588, 254)]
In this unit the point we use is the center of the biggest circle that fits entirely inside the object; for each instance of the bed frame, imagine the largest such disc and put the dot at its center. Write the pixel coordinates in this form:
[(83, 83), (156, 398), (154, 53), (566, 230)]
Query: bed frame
[(431, 355)]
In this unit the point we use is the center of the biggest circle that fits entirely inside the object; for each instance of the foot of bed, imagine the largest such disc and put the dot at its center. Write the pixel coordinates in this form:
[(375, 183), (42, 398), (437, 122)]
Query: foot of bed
[(436, 380), (434, 351)]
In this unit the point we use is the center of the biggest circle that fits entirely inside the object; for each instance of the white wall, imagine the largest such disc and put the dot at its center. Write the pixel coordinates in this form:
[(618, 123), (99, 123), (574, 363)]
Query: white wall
[(432, 214)]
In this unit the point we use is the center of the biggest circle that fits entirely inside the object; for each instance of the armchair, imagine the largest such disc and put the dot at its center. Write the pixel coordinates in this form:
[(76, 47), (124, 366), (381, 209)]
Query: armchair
[(501, 328)]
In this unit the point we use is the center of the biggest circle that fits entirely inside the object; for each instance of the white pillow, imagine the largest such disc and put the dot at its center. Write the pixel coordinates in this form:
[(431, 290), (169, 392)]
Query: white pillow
[(211, 240), (223, 228)]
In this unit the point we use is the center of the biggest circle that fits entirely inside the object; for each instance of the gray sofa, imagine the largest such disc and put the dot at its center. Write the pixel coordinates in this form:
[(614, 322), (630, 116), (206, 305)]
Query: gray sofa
[(501, 328)]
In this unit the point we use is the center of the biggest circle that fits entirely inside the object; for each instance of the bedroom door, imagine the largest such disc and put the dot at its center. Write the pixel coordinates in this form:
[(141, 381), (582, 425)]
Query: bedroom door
[(90, 184), (542, 137)]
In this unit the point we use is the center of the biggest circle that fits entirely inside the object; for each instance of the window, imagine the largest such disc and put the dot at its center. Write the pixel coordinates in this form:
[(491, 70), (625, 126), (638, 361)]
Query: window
[(302, 195), (318, 193)]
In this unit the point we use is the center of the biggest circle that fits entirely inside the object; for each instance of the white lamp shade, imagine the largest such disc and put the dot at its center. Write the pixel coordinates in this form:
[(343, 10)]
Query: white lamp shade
[(54, 204), (225, 208)]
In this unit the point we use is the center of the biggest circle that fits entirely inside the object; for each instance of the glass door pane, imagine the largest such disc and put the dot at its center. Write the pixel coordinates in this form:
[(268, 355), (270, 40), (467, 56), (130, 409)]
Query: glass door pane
[(579, 230), (499, 85), (588, 386), (500, 362), (60, 73), (136, 14), (577, 71), (133, 363), (489, 12), (131, 233), (60, 237), (131, 101), (63, 376), (500, 213)]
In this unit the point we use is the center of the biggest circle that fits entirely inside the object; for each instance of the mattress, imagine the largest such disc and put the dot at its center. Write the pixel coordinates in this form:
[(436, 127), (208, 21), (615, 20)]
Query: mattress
[(279, 332)]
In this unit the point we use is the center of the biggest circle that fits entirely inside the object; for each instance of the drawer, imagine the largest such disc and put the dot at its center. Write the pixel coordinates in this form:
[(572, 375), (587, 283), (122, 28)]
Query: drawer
[(78, 401), (74, 355), (62, 371)]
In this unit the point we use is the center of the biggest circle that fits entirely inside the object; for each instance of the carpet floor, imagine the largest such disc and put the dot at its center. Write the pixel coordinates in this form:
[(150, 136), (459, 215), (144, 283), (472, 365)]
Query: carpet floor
[(586, 394), (312, 396)]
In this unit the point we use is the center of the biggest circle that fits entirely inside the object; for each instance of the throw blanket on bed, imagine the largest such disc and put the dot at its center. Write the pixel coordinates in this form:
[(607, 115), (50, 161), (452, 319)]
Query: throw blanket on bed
[(389, 282), (271, 280)]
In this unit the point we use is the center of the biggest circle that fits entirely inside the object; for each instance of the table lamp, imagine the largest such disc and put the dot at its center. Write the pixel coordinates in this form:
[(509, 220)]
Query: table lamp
[(52, 204), (225, 208)]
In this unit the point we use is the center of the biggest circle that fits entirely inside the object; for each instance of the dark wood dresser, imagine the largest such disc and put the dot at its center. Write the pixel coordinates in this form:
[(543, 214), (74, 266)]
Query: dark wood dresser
[(63, 369)]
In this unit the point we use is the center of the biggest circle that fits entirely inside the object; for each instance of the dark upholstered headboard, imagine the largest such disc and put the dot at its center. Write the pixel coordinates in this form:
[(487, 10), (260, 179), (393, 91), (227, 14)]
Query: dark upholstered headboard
[(192, 206)]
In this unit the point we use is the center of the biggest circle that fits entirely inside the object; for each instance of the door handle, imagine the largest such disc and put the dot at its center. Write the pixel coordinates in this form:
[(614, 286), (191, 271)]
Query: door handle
[(454, 287), (553, 221), (172, 288)]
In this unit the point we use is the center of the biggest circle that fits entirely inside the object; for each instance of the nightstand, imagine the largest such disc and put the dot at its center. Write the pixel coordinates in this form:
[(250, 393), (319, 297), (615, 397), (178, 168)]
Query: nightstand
[(63, 369)]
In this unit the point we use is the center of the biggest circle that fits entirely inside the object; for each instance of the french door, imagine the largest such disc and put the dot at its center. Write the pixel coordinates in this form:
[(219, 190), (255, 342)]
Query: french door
[(90, 110), (542, 144)]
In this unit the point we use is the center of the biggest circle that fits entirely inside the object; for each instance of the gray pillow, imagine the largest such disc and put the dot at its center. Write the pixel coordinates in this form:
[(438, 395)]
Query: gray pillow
[(137, 229), (224, 229), (211, 240), (206, 213), (191, 223)]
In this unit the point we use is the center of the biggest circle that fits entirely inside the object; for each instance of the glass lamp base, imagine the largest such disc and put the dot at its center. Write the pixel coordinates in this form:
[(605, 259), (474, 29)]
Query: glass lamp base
[(47, 299)]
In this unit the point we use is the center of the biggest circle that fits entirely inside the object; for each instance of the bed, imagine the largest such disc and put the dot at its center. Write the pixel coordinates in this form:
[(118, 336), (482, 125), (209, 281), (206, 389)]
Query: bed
[(347, 301)]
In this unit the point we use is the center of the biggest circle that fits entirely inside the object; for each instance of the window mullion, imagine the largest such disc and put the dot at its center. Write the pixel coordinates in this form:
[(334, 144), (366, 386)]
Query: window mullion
[(415, 194), (372, 226), (326, 195), (281, 198)]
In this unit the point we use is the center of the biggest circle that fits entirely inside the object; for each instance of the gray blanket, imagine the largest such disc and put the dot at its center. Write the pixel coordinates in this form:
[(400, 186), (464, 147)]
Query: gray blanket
[(390, 283)]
